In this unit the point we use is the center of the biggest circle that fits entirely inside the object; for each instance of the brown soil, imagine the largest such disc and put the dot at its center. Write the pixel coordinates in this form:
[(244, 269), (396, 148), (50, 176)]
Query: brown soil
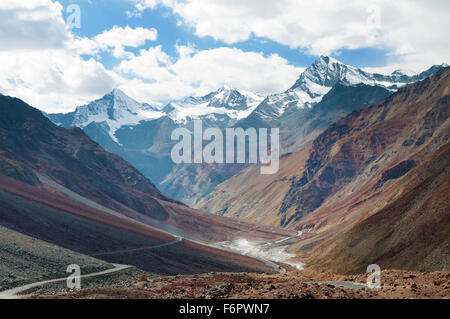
[(305, 284)]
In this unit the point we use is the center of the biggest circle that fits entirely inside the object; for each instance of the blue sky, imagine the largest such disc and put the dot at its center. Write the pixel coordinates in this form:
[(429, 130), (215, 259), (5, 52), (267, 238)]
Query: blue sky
[(98, 16), (160, 50)]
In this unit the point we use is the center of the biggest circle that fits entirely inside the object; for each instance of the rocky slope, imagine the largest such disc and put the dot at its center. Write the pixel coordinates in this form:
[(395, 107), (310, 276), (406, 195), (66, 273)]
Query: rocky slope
[(370, 141), (61, 188), (410, 232), (365, 189), (24, 259), (31, 146), (294, 285), (141, 134)]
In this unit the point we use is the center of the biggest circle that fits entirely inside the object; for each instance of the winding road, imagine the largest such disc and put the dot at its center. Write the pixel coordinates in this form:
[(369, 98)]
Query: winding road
[(137, 249), (287, 238), (93, 204), (13, 293), (270, 263)]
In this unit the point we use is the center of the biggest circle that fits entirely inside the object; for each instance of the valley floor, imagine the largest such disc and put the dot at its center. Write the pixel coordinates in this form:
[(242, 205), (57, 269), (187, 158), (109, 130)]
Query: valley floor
[(303, 284)]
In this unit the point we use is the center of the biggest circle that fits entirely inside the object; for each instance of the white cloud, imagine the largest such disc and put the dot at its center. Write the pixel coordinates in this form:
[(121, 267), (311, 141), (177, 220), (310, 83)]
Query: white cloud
[(200, 72), (413, 30), (116, 39), (31, 25), (149, 64), (56, 78), (40, 59), (53, 80), (151, 4)]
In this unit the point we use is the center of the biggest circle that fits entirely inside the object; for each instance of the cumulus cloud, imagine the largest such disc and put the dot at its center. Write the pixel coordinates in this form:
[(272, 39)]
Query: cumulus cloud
[(48, 71), (53, 80), (116, 39), (409, 29), (200, 72), (31, 25), (40, 58)]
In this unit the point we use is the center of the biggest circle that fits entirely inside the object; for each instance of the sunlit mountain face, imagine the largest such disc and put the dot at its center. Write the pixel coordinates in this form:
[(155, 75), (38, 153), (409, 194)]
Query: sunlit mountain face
[(141, 133), (211, 149)]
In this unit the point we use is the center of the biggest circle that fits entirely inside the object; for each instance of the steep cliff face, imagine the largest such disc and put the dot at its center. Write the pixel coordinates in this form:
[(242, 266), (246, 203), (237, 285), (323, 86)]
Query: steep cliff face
[(244, 194), (36, 151), (68, 156), (370, 142), (412, 231), (385, 157)]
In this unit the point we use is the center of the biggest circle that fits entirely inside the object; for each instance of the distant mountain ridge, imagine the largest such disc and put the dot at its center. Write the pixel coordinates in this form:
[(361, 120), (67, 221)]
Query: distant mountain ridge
[(116, 109), (371, 188), (231, 103), (318, 79), (58, 186), (141, 133), (227, 105)]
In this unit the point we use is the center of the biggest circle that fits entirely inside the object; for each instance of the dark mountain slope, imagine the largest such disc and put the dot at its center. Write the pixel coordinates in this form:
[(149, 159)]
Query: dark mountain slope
[(372, 188), (297, 129), (382, 135), (411, 232), (29, 141), (30, 145)]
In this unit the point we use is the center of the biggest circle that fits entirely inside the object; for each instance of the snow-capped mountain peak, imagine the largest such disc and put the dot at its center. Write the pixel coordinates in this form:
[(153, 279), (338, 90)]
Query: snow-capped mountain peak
[(233, 99), (114, 106), (327, 72), (324, 73), (401, 72), (119, 93), (115, 109), (227, 103)]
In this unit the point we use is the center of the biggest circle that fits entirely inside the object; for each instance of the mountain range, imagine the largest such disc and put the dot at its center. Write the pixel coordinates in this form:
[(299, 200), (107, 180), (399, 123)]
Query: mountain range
[(371, 188), (61, 192), (363, 179), (141, 133)]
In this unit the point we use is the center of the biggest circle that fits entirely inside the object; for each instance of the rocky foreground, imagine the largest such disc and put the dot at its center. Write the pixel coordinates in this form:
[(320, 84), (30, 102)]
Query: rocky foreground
[(305, 284)]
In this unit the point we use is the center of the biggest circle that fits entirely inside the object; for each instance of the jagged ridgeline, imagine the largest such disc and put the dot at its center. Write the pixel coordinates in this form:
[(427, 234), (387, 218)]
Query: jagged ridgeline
[(141, 133)]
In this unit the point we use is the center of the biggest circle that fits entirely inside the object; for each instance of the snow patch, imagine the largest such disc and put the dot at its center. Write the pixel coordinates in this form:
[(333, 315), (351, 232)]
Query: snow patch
[(263, 250)]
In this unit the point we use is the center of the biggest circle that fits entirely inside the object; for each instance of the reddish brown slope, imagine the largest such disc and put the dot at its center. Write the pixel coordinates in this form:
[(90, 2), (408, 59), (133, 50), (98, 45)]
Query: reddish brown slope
[(411, 232), (354, 170), (56, 219), (61, 203), (376, 186), (30, 144), (355, 151)]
